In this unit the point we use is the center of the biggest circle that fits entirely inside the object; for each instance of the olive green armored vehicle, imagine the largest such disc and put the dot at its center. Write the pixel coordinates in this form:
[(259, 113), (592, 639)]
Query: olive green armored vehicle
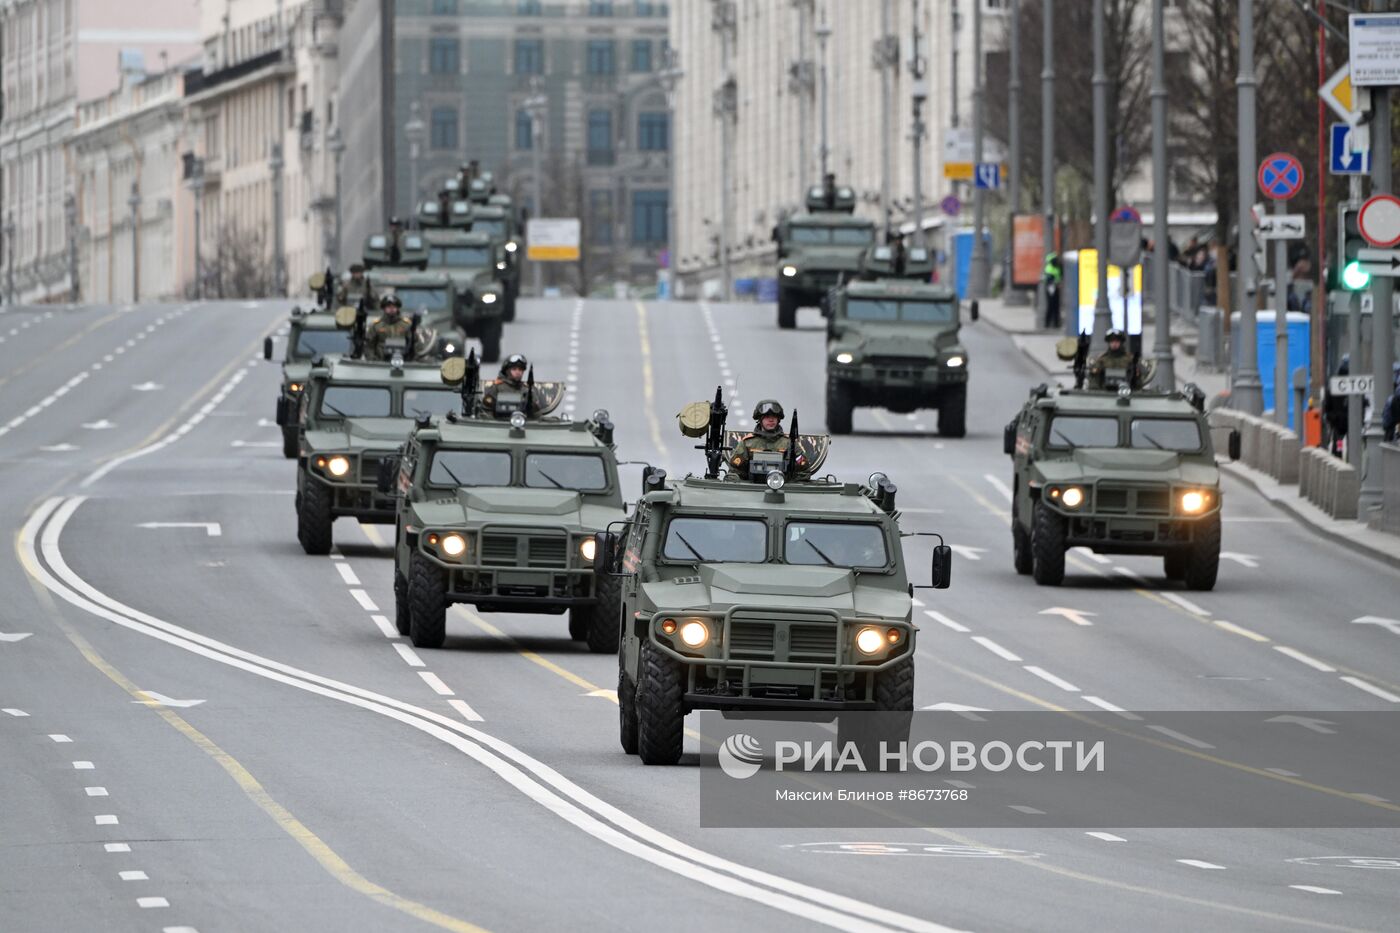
[(779, 594), (310, 333), (475, 266), (819, 248), (496, 218), (1120, 471), (499, 509), (892, 342), (353, 414)]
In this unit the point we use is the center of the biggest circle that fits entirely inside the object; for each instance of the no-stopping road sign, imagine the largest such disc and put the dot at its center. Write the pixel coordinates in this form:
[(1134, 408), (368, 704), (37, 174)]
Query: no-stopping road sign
[(1280, 176)]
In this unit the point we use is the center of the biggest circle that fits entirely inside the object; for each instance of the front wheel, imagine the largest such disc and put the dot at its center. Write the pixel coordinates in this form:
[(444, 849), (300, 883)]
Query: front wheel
[(401, 614), (1203, 560), (427, 603), (289, 441), (603, 632), (314, 518), (787, 310), (952, 412), (626, 710), (491, 340), (839, 407), (1021, 555), (660, 718), (1048, 547)]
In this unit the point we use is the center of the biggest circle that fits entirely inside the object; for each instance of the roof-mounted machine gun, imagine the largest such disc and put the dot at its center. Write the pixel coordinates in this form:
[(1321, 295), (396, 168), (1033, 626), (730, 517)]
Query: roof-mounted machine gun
[(706, 419), (465, 373)]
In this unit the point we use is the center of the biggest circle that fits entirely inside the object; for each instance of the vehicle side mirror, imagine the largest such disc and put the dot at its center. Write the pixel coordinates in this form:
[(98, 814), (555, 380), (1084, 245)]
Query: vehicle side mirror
[(284, 411), (605, 552), (942, 567), (1008, 439), (1234, 444), (267, 348), (388, 469), (974, 311)]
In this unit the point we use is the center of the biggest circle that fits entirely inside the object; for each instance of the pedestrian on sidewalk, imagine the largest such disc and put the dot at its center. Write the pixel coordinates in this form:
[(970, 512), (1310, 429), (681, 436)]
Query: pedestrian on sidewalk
[(1052, 275)]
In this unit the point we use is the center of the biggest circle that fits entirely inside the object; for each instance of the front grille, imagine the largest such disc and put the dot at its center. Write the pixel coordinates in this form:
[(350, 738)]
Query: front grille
[(548, 552), (809, 638), (751, 640), (369, 469), (812, 643), (899, 367), (1133, 500), (1155, 501), (1111, 499), (498, 549)]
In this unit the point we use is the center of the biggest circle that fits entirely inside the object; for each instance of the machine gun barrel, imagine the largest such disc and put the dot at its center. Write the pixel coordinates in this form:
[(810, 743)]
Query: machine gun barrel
[(530, 394), (357, 333), (470, 382), (1081, 360), (790, 463), (411, 353), (714, 437)]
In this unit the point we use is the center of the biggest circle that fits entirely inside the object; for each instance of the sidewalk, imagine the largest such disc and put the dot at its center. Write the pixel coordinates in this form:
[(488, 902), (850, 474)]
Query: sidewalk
[(1038, 345)]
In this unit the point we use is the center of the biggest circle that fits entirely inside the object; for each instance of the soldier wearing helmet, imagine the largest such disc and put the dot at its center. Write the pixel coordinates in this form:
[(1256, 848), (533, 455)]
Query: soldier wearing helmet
[(355, 287), (767, 435), (391, 325), (1112, 367), (505, 395)]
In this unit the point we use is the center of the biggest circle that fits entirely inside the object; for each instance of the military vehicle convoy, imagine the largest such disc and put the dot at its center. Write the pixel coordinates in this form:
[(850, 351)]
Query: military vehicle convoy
[(818, 248), (783, 593), (499, 509), (474, 266), (310, 333), (892, 342)]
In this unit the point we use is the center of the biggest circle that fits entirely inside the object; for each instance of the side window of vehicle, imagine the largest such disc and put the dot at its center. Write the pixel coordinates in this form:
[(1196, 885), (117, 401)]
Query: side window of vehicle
[(636, 534), (408, 467)]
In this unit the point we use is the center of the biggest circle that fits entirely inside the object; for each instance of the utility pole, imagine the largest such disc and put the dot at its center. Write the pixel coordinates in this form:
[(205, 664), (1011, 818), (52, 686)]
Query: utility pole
[(726, 107), (804, 88), (1382, 315), (1246, 391), (670, 78), (1047, 150), (954, 27), (1162, 351), (1103, 315), (70, 213), (134, 202), (337, 146), (536, 105), (197, 186), (823, 35), (1009, 294), (979, 270), (886, 60), (414, 131), (10, 258), (918, 95), (1355, 402), (279, 222)]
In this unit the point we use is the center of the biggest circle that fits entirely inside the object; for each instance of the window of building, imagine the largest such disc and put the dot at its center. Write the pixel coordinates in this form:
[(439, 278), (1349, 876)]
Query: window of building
[(600, 57), (643, 8), (600, 137), (528, 8), (654, 132), (600, 8), (600, 217), (524, 130), (529, 56), (444, 56), (649, 217), (444, 128), (444, 7), (641, 55)]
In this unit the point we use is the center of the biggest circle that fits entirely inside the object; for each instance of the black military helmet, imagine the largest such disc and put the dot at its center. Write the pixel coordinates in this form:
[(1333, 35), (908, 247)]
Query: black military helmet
[(1115, 334), (514, 360), (356, 268), (391, 303), (395, 222), (768, 406)]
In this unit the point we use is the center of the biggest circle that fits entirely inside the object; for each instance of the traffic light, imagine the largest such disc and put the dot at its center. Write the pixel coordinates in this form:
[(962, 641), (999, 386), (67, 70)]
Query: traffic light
[(1350, 242)]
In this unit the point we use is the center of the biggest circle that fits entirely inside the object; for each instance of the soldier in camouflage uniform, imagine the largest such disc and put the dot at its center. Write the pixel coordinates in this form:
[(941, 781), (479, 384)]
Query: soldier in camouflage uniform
[(511, 379), (354, 288), (391, 325), (1116, 357), (767, 435)]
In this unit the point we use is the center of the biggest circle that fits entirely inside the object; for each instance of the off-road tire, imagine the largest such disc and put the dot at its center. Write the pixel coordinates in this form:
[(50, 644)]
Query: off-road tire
[(660, 719), (894, 688), (1203, 560), (427, 603), (314, 518), (578, 623), (289, 441), (626, 710), (839, 407), (1174, 564), (491, 340), (1021, 555), (604, 632), (1048, 547), (787, 311), (400, 602), (952, 413), (508, 306)]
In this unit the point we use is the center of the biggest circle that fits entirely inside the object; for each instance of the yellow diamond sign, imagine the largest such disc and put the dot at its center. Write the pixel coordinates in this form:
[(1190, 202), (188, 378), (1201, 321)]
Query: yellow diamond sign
[(1343, 98)]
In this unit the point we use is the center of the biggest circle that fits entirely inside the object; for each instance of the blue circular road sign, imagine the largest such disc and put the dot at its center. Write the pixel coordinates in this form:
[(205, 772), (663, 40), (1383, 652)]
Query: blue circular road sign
[(1280, 176)]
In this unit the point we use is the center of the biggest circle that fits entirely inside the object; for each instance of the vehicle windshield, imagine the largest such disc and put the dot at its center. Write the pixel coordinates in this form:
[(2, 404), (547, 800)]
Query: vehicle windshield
[(915, 312), (470, 468), (419, 299), (489, 227), (311, 342), (356, 402), (840, 236), (1068, 431), (430, 401), (715, 540), (835, 544), (583, 472), (1178, 434), (459, 256)]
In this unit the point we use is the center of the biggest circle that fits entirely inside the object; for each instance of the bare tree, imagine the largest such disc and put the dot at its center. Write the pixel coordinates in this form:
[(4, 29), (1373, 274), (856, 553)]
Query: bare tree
[(240, 266)]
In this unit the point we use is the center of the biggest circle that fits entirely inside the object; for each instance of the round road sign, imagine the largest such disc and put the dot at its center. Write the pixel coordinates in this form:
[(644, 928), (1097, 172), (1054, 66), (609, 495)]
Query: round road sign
[(1125, 214), (1280, 176), (1379, 220)]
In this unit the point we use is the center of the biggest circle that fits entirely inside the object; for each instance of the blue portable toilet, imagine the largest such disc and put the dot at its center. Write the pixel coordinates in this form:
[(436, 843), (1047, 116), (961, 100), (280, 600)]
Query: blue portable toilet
[(1299, 346), (767, 289), (962, 257)]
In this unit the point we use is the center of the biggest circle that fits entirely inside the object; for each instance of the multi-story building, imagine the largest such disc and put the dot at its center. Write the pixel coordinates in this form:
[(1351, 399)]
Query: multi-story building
[(470, 66), (55, 54)]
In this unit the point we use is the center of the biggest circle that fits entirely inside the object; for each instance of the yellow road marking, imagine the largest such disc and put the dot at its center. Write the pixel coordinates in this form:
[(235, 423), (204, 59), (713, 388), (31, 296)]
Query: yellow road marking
[(648, 386), (527, 654)]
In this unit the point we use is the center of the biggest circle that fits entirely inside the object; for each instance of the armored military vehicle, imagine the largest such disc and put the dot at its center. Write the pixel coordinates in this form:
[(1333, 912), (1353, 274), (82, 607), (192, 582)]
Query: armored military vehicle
[(892, 342), (353, 414), (499, 509), (818, 248), (496, 219), (1125, 471), (475, 265), (310, 333), (783, 593)]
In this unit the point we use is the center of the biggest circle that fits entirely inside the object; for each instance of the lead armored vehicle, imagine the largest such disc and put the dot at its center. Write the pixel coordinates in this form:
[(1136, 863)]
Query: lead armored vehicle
[(310, 333), (819, 248), (499, 509), (783, 593), (892, 342)]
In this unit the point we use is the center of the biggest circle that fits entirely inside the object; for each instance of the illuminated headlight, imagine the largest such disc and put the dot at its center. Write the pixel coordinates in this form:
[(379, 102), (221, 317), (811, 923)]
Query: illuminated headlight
[(775, 480), (1194, 501), (1073, 497), (511, 247), (955, 361), (844, 358), (337, 466), (501, 264), (694, 633), (294, 387), (449, 348), (869, 640), (489, 298), (588, 548), (789, 271), (517, 419), (454, 545)]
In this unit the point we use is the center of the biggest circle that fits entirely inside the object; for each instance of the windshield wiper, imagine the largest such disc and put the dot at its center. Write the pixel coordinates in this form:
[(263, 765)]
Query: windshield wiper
[(557, 484), (325, 404), (690, 547), (820, 552), (448, 470), (1148, 437), (1068, 443)]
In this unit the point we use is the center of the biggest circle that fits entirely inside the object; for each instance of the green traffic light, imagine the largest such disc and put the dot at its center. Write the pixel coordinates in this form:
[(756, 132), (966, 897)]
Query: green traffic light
[(1355, 278)]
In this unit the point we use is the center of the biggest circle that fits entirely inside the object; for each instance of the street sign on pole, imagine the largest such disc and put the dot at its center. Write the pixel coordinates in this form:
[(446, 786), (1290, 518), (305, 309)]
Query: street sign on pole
[(1379, 261), (1280, 176), (1348, 102), (1125, 237), (951, 205), (1281, 227), (1351, 150), (1375, 49), (988, 176), (552, 239), (1352, 385), (1379, 220)]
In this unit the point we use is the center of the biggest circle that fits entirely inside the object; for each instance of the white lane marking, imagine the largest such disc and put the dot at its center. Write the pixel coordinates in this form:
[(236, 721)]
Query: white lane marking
[(58, 448), (363, 599), (966, 712), (1131, 575), (1197, 863), (160, 699), (57, 738), (1050, 678), (105, 819), (941, 619), (434, 681), (1239, 630), (45, 402), (1183, 602), (531, 777), (385, 626), (995, 648), (1393, 625), (1374, 798), (1307, 659), (408, 654), (467, 713), (1307, 722), (917, 601), (149, 902), (1281, 772), (95, 791), (968, 552), (1372, 689), (1180, 736), (999, 486), (11, 711), (83, 766), (1096, 558), (1244, 560), (1022, 808), (1313, 889), (115, 847), (347, 573), (211, 529), (133, 874), (1107, 837), (1101, 703), (1077, 616)]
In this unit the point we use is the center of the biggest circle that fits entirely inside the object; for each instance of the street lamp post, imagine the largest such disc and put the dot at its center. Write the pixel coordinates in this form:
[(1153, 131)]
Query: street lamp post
[(824, 34), (337, 148), (801, 85), (1103, 314), (415, 132), (669, 78), (134, 202), (1246, 391), (1009, 294), (70, 213), (1162, 350), (726, 107), (978, 271), (1047, 148), (886, 60), (918, 95), (10, 258), (197, 186), (536, 105), (279, 241)]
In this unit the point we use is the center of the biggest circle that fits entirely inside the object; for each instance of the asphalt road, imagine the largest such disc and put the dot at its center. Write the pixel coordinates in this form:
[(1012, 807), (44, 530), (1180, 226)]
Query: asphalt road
[(203, 728)]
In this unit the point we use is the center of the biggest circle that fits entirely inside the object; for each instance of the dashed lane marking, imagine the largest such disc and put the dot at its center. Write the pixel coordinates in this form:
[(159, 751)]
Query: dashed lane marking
[(1106, 837), (1314, 889), (465, 710), (83, 766), (134, 874), (1372, 689), (996, 649), (409, 655), (105, 819), (150, 902), (116, 847), (347, 573), (1180, 737), (435, 682), (1307, 659), (1103, 704), (1197, 863), (361, 597), (1050, 678), (96, 791), (385, 625), (648, 383), (1240, 630), (1183, 602), (999, 486), (10, 711), (57, 738), (941, 619)]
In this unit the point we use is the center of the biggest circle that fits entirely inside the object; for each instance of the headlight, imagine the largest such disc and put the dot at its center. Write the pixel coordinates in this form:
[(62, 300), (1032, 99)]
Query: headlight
[(517, 419), (869, 640), (449, 348), (694, 633), (337, 466), (844, 358), (294, 387), (588, 548), (775, 480), (501, 264), (489, 298), (1073, 497), (454, 545), (1194, 501), (511, 247), (789, 271), (955, 361)]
